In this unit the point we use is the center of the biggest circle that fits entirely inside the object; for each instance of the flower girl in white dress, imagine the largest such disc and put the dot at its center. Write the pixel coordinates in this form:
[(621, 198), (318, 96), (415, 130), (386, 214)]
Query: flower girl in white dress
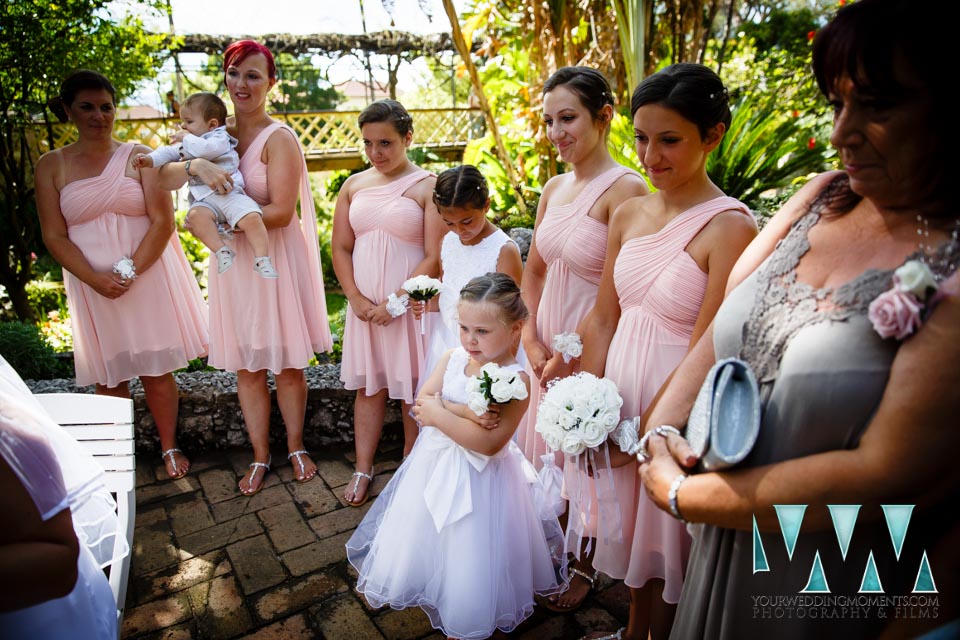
[(472, 247), (460, 530)]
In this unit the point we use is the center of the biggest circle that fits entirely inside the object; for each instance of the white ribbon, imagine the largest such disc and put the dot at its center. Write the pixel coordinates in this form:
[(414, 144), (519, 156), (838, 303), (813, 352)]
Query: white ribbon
[(448, 493), (609, 519)]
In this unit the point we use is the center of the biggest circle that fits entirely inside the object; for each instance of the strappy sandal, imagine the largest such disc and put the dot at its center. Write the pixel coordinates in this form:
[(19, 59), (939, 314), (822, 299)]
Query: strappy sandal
[(177, 471), (303, 470), (357, 475), (591, 579), (616, 635), (253, 474)]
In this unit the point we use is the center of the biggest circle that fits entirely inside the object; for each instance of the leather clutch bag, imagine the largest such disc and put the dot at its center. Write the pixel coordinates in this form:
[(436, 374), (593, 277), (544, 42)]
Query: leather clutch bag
[(725, 419)]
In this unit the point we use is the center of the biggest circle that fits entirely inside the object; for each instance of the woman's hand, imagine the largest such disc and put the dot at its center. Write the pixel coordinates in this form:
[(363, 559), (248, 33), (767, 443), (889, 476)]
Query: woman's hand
[(537, 356), (211, 175), (418, 307), (667, 458), (361, 307), (109, 285), (379, 315), (557, 368)]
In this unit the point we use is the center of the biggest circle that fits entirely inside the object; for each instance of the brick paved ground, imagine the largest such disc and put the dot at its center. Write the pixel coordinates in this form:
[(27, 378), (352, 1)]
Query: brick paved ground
[(211, 563)]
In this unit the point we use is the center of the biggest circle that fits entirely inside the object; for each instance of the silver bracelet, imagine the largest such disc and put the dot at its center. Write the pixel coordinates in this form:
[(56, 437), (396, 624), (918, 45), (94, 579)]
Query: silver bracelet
[(664, 429), (642, 454), (672, 496)]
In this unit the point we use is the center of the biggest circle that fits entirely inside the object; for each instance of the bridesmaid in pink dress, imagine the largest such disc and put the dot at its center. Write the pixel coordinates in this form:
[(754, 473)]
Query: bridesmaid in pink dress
[(259, 325), (567, 253), (668, 259), (95, 209), (385, 229)]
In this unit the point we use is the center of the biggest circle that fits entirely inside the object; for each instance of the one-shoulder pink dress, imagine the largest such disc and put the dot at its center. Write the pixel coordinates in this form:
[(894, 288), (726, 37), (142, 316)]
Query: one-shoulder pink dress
[(574, 246), (159, 324), (389, 244), (660, 288), (256, 323)]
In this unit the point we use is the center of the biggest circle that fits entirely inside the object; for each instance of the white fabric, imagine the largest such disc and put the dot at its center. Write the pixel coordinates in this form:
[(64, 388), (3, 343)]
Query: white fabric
[(217, 146), (460, 263), (57, 475), (478, 569), (92, 506)]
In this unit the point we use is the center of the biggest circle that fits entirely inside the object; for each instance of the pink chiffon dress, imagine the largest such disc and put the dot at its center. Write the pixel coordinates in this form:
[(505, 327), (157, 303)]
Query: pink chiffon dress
[(574, 246), (256, 323), (159, 324), (389, 244), (660, 288)]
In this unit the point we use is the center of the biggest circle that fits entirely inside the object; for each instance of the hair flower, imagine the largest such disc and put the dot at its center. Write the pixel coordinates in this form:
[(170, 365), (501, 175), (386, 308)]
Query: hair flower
[(897, 311)]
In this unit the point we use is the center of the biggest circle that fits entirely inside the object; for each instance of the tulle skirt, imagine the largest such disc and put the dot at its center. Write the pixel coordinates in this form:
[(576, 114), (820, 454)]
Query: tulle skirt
[(470, 547)]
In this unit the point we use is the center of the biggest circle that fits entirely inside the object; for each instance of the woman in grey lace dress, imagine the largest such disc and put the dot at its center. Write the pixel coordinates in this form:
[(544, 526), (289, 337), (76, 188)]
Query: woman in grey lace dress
[(858, 370)]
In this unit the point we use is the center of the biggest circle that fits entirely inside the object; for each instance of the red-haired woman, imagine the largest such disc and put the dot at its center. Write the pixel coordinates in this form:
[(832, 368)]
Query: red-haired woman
[(256, 324)]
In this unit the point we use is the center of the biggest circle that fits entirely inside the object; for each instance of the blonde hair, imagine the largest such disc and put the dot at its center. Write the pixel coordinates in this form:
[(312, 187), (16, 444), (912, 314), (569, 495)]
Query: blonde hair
[(500, 290)]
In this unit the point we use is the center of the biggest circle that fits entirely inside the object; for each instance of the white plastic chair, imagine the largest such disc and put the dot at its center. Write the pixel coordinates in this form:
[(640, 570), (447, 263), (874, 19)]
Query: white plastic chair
[(103, 425)]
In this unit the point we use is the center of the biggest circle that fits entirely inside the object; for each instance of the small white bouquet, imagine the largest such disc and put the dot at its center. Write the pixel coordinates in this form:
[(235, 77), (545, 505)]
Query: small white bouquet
[(494, 384), (422, 288), (578, 412), (125, 268), (568, 345)]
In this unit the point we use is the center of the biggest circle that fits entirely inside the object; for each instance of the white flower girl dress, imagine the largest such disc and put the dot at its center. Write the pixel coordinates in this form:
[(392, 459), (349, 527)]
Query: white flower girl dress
[(464, 536)]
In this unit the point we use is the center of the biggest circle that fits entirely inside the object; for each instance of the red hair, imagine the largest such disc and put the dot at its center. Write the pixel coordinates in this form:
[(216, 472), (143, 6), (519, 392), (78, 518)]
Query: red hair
[(242, 49)]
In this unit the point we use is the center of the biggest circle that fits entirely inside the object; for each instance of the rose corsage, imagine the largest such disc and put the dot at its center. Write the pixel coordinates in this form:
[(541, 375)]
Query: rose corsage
[(494, 384), (897, 312), (568, 345), (125, 268), (395, 306), (422, 288)]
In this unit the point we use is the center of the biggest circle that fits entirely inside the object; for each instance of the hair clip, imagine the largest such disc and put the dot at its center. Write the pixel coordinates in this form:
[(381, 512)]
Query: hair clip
[(723, 93)]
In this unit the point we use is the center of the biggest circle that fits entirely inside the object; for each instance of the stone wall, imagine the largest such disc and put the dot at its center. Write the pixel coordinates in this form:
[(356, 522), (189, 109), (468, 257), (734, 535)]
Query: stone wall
[(210, 416)]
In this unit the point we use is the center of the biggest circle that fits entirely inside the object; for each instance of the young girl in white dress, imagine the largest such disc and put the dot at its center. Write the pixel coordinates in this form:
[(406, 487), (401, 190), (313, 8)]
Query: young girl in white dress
[(472, 247), (460, 531)]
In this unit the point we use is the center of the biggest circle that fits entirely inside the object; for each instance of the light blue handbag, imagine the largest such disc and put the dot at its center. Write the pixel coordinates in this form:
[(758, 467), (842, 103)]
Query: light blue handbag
[(725, 419)]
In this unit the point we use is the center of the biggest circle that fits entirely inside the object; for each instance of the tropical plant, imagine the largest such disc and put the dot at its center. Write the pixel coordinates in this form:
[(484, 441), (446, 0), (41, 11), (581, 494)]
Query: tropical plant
[(766, 148)]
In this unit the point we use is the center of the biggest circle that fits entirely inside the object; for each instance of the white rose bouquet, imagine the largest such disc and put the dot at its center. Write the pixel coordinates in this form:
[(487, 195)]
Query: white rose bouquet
[(422, 288), (494, 384), (578, 412)]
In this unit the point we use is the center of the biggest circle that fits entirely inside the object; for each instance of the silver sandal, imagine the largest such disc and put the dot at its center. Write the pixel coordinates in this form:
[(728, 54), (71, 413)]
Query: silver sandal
[(256, 465), (356, 487), (177, 474), (616, 635), (303, 469)]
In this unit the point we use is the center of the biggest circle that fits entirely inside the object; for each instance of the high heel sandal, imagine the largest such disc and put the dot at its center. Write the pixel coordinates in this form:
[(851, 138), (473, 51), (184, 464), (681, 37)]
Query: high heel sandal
[(177, 472), (253, 474), (357, 475), (303, 470)]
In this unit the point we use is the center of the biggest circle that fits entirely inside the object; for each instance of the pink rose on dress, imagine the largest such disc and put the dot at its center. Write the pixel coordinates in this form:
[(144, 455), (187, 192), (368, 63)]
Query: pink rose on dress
[(895, 313)]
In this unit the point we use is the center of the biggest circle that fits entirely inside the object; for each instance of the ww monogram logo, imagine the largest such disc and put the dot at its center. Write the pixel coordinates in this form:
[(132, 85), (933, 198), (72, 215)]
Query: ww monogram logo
[(844, 518)]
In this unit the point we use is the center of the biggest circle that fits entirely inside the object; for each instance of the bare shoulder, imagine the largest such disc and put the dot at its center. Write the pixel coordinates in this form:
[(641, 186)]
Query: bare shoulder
[(629, 185), (422, 191), (282, 141)]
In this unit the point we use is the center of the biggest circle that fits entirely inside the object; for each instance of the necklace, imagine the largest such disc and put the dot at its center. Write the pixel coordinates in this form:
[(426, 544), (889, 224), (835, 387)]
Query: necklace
[(941, 260)]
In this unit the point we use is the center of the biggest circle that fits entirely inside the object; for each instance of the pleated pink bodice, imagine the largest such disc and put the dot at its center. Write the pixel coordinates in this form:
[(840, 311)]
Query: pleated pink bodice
[(256, 323), (573, 245), (661, 289), (388, 228), (159, 324)]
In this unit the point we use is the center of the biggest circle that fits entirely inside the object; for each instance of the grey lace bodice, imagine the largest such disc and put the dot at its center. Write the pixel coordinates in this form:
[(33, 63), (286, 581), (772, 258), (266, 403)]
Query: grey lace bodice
[(782, 306)]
